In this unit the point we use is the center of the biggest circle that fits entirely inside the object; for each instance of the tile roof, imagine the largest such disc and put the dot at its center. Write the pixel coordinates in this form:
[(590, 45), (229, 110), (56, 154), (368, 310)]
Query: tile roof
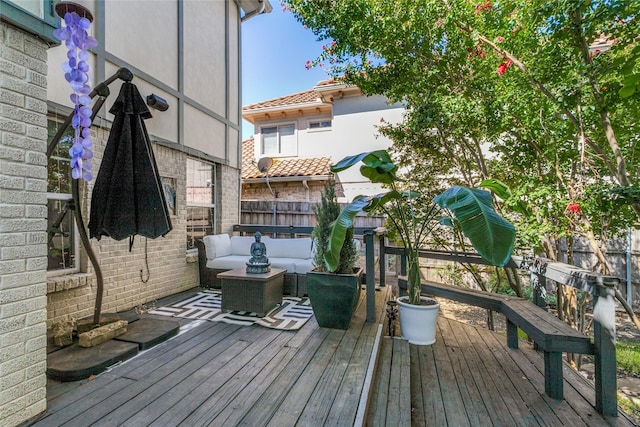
[(302, 167), (306, 97)]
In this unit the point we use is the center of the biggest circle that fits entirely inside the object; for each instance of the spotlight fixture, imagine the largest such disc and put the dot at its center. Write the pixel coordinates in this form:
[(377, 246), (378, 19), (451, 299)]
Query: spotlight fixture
[(160, 104)]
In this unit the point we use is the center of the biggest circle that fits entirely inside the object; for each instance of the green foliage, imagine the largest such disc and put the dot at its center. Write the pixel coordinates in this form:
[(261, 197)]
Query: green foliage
[(531, 82), (490, 234), (628, 357), (326, 213), (630, 407)]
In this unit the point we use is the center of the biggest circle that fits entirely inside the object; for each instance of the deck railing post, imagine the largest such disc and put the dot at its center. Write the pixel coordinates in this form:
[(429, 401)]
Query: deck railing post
[(370, 270), (539, 283), (383, 259), (604, 336)]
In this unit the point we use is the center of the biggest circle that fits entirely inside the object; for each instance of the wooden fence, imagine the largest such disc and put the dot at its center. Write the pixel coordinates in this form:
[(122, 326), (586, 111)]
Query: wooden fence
[(296, 214)]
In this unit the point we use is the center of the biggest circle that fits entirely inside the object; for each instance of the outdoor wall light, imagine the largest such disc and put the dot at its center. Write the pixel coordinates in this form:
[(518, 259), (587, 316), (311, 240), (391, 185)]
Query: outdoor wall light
[(160, 104)]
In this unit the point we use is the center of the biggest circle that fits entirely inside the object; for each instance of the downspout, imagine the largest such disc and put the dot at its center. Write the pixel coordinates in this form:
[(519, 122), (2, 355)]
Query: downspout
[(305, 184)]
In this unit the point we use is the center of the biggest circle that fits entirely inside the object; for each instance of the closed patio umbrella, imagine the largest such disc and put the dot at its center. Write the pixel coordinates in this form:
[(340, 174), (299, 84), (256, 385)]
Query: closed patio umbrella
[(127, 198)]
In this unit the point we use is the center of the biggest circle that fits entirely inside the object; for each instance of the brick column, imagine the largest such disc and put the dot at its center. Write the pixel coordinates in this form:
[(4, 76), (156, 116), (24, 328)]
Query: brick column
[(23, 211)]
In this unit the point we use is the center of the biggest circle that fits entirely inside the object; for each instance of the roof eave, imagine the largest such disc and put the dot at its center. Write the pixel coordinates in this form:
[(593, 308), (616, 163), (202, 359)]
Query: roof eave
[(287, 179)]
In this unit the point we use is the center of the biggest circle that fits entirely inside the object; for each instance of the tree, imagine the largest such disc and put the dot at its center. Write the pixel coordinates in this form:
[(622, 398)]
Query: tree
[(548, 87)]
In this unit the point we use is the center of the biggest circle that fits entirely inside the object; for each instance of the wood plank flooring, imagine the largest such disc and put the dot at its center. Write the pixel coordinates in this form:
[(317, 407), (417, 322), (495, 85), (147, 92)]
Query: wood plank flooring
[(218, 374), (469, 377), (215, 374)]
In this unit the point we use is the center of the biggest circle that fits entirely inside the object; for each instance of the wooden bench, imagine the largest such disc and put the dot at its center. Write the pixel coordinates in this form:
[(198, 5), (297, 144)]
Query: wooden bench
[(550, 334)]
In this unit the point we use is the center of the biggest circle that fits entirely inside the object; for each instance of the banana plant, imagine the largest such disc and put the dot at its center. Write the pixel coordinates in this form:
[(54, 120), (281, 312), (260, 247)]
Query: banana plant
[(471, 208)]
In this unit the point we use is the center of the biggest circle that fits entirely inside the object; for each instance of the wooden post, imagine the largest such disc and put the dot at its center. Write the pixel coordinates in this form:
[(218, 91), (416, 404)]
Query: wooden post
[(370, 270), (604, 335), (383, 259), (539, 284), (512, 334)]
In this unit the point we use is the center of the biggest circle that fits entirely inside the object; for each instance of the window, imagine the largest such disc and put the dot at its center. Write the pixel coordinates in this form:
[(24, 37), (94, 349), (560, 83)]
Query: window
[(320, 125), (62, 235), (200, 200), (35, 16), (279, 139)]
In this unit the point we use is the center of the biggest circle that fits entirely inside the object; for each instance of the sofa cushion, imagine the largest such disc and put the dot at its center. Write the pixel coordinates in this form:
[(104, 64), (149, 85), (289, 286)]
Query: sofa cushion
[(241, 245), (217, 245), (289, 248), (302, 266), (288, 264), (229, 262)]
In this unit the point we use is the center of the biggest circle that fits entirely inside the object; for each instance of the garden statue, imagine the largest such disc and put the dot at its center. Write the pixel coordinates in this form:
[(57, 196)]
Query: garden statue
[(258, 263)]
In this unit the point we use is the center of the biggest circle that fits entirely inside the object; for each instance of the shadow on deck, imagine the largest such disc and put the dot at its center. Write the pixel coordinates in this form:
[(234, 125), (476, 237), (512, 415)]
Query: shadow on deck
[(221, 374)]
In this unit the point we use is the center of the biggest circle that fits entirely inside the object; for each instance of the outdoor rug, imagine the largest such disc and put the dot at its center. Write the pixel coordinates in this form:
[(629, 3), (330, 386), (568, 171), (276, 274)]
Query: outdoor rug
[(291, 315)]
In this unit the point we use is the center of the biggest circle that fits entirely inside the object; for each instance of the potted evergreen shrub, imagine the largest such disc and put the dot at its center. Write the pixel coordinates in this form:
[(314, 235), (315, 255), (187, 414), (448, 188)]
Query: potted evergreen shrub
[(471, 208), (334, 291)]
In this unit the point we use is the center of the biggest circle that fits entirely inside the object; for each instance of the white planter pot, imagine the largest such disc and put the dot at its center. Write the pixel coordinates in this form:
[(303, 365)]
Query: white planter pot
[(418, 322)]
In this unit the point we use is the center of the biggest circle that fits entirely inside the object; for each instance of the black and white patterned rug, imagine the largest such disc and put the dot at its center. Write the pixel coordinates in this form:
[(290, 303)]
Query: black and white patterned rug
[(291, 315)]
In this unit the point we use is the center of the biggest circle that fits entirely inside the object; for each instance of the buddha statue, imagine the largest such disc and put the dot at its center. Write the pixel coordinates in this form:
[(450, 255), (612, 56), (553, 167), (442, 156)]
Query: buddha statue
[(258, 263)]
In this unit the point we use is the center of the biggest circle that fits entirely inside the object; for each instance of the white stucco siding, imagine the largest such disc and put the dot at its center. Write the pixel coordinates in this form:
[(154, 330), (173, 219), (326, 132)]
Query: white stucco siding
[(204, 133), (355, 131), (144, 34), (204, 60)]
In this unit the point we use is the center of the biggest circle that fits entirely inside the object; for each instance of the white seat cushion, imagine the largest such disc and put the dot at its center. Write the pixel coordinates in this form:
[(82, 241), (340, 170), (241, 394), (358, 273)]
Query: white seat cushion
[(217, 245), (303, 266), (241, 245), (288, 264), (229, 262), (289, 248)]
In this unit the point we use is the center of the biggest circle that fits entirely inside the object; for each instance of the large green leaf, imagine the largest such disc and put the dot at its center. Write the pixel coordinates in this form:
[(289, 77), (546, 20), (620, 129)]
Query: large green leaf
[(377, 166), (490, 234), (339, 231)]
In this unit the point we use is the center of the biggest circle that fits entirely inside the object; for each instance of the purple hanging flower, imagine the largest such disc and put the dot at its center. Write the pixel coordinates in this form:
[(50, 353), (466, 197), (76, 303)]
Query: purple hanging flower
[(76, 72)]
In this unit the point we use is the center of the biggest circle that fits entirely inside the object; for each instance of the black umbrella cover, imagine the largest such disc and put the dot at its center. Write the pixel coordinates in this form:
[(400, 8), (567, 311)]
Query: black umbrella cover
[(127, 197)]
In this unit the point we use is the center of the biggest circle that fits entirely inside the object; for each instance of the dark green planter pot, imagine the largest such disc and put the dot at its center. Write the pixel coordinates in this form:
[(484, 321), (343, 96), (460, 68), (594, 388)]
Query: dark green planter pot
[(334, 297)]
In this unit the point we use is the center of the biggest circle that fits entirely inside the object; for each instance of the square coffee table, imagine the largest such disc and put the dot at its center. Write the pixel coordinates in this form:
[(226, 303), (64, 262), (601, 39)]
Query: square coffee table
[(258, 293)]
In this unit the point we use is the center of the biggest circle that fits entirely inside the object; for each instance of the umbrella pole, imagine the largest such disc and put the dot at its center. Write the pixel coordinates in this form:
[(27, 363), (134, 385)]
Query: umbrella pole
[(75, 190)]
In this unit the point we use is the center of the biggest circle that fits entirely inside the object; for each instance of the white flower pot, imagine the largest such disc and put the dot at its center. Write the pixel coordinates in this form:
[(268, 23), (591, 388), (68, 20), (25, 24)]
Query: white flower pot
[(418, 322)]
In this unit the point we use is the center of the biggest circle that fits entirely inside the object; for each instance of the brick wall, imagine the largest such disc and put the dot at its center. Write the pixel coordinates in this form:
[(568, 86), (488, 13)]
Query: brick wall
[(228, 198), (23, 261), (292, 191)]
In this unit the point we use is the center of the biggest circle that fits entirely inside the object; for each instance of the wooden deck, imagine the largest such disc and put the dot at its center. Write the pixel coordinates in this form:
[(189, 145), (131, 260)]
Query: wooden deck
[(470, 377), (219, 374)]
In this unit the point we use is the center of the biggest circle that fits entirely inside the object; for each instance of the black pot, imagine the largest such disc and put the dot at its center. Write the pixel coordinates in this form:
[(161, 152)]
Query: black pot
[(334, 297)]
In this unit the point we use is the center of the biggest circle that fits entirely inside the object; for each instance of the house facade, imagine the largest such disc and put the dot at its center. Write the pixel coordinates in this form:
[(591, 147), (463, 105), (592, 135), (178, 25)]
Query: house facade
[(330, 121), (186, 52)]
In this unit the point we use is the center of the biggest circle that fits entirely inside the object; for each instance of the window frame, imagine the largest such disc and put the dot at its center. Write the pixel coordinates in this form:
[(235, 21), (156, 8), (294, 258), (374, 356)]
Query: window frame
[(189, 205), (279, 151), (40, 26), (75, 243), (320, 128)]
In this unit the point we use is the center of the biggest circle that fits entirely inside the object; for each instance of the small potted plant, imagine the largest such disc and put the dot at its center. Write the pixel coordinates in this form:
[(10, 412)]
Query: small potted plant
[(334, 291), (491, 235)]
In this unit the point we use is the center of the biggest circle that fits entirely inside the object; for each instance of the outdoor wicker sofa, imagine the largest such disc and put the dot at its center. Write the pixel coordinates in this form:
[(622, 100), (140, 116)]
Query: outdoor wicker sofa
[(221, 252)]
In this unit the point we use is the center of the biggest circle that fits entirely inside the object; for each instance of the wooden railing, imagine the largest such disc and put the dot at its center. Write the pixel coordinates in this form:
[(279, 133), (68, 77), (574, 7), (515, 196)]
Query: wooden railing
[(601, 288)]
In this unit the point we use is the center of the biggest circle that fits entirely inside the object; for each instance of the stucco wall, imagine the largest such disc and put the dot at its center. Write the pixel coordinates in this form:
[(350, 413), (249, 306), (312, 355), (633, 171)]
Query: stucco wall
[(23, 249)]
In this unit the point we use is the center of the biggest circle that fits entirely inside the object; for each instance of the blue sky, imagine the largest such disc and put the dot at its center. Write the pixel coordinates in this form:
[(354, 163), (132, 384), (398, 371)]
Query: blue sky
[(275, 48)]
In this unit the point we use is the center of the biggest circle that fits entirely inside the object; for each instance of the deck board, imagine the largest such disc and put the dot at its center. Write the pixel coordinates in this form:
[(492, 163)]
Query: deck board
[(510, 382), (220, 374)]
